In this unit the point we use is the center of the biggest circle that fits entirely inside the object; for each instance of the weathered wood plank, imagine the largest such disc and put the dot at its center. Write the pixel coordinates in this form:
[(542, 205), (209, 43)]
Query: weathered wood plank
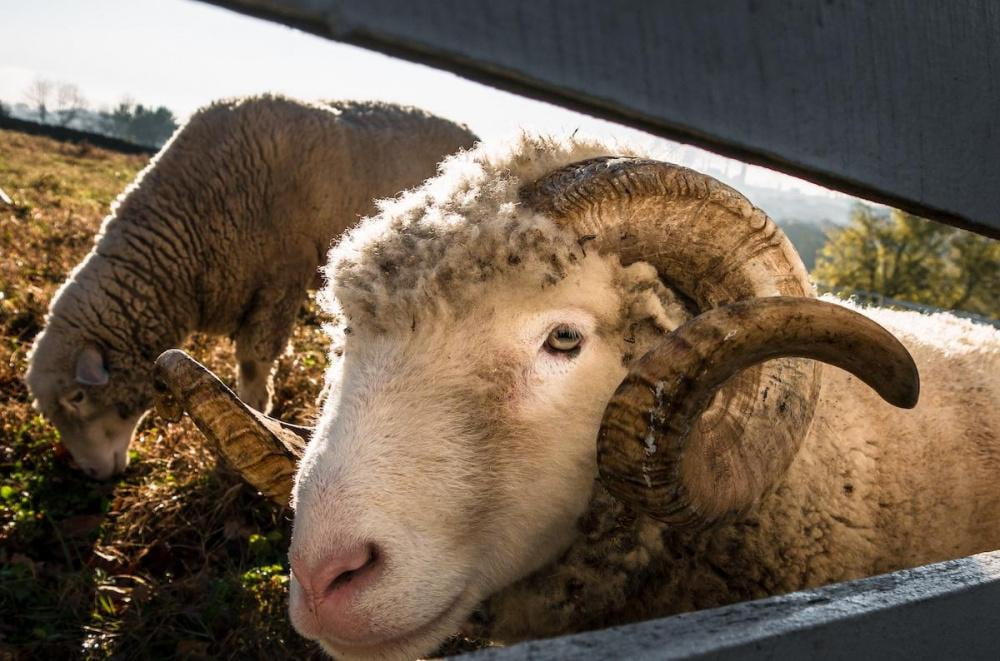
[(947, 610), (894, 100)]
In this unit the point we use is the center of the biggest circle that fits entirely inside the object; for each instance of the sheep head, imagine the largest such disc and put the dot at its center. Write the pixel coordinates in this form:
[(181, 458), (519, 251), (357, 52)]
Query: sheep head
[(488, 320), (81, 388)]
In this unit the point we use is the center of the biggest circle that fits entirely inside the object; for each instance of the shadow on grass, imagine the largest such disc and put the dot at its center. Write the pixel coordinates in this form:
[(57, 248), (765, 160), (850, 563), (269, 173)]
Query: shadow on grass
[(51, 517), (176, 559)]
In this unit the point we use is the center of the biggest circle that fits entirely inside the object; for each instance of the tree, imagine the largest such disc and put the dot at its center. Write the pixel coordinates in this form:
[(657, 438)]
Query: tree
[(116, 121), (137, 123), (70, 103), (977, 264), (909, 258), (4, 109), (37, 95), (152, 126)]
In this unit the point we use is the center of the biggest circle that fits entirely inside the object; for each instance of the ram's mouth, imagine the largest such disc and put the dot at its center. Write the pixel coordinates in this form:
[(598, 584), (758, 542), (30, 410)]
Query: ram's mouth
[(421, 637)]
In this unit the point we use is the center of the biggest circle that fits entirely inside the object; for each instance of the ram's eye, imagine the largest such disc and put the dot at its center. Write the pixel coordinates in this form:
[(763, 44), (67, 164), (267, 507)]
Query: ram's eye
[(563, 339), (76, 397)]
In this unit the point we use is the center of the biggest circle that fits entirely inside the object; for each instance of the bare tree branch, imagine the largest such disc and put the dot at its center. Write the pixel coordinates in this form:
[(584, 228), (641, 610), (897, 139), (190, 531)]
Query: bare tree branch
[(70, 103), (37, 94)]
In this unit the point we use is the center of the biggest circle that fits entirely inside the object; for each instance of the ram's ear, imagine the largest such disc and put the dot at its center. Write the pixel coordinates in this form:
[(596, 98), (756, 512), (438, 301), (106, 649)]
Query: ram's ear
[(90, 369)]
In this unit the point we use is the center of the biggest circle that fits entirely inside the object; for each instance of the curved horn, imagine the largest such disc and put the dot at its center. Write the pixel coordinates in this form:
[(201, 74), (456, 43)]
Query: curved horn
[(261, 449), (647, 422), (710, 244)]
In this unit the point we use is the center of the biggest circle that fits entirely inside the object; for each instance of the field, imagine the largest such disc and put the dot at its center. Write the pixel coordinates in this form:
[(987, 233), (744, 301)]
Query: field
[(177, 557)]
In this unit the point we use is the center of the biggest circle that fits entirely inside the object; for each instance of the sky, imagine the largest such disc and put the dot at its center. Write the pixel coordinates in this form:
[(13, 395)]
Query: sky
[(183, 54)]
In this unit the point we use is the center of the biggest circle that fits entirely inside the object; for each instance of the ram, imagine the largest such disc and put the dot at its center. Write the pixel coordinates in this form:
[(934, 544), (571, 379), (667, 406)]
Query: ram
[(578, 390), (223, 233)]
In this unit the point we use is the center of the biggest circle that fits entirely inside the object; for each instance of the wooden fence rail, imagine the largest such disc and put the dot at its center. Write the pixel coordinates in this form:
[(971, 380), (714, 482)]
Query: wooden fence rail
[(949, 610)]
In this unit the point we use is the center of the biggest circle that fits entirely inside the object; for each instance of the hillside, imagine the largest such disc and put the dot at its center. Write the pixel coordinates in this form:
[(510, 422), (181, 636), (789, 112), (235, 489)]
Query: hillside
[(786, 205)]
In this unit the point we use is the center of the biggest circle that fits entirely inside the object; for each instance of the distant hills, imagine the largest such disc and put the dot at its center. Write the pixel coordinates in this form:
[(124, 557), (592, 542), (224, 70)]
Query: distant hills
[(808, 237), (84, 119), (783, 204), (132, 122)]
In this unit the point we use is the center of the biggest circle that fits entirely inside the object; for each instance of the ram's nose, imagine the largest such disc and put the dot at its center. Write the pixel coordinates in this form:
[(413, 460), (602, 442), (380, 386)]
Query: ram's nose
[(325, 593)]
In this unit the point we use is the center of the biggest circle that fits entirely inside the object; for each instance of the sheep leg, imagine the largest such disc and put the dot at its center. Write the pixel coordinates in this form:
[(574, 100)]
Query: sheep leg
[(254, 383), (260, 339)]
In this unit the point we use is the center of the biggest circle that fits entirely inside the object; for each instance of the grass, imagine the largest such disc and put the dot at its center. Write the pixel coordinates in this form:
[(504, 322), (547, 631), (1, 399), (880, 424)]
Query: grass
[(177, 557)]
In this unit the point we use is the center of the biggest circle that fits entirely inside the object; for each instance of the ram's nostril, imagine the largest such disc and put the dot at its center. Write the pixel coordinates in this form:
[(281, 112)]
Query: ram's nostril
[(331, 592), (362, 563), (341, 580)]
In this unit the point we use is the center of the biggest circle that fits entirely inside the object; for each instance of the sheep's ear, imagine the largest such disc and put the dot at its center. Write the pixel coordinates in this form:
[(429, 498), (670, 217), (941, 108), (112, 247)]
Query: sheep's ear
[(90, 369)]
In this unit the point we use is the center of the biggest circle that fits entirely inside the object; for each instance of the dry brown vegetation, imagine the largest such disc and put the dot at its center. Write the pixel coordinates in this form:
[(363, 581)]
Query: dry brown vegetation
[(177, 557)]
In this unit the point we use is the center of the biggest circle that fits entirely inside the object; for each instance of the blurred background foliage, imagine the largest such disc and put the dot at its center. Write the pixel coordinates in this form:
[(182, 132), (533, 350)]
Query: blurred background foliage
[(901, 256)]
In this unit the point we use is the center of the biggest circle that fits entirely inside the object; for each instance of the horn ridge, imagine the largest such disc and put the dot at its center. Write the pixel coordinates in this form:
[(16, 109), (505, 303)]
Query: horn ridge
[(677, 379)]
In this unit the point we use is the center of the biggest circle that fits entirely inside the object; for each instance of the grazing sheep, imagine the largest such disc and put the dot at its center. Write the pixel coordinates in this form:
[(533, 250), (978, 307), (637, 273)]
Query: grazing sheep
[(525, 304), (222, 233)]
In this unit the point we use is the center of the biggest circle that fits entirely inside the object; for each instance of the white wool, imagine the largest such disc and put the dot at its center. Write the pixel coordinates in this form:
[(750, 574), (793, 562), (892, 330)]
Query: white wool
[(941, 331)]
